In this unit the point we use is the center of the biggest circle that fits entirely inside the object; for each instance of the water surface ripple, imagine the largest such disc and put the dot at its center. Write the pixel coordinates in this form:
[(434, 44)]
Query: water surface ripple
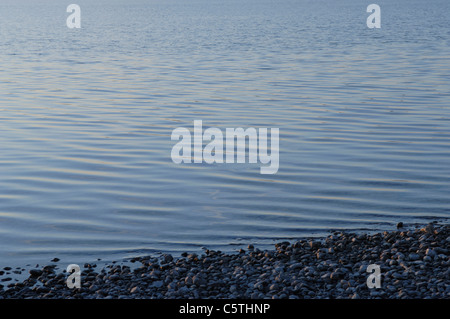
[(86, 117)]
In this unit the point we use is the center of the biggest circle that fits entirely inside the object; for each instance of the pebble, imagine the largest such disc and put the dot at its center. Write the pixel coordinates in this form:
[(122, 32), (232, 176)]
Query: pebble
[(413, 257), (35, 272), (135, 290), (430, 252)]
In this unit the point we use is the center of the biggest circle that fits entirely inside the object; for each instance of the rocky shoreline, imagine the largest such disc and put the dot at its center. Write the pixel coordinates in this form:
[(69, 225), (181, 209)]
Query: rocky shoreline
[(414, 264)]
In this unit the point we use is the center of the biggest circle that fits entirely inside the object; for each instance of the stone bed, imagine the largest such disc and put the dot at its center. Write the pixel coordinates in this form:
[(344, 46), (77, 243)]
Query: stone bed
[(414, 264)]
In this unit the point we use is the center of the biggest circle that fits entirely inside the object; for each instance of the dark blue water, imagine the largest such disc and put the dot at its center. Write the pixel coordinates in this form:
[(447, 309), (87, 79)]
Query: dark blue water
[(87, 114)]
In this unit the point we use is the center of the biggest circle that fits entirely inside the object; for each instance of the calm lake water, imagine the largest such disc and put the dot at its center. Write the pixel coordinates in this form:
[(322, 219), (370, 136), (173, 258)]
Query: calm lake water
[(87, 114)]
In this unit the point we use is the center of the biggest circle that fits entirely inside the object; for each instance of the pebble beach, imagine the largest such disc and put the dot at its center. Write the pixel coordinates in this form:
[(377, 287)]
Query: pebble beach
[(413, 263)]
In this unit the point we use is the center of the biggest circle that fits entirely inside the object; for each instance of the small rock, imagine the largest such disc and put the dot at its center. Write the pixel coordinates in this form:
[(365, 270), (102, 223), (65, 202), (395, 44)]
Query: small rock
[(35, 272), (296, 266), (428, 229), (188, 280), (135, 290), (198, 280), (413, 256), (167, 258), (273, 287), (430, 252)]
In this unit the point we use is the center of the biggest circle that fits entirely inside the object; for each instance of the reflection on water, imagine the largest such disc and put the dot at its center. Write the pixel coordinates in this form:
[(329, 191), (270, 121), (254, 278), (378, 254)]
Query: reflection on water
[(86, 118)]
